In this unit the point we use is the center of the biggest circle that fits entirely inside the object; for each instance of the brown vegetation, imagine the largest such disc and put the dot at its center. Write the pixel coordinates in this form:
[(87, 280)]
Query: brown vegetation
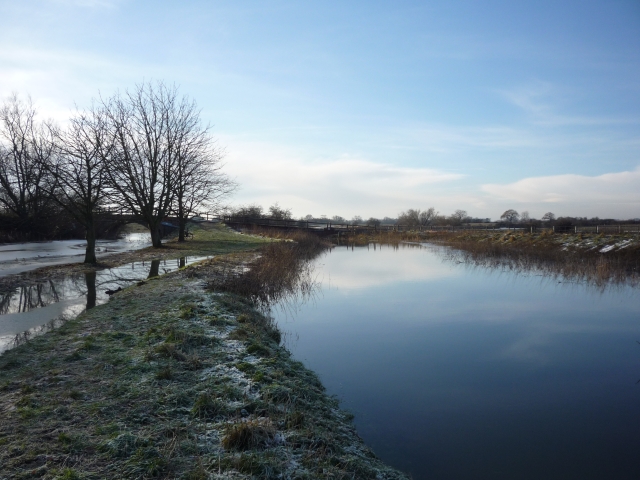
[(282, 269), (599, 259)]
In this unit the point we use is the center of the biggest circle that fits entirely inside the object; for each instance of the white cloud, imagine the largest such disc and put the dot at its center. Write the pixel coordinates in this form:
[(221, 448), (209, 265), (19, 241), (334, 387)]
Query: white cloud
[(89, 3), (57, 79), (347, 185), (611, 191)]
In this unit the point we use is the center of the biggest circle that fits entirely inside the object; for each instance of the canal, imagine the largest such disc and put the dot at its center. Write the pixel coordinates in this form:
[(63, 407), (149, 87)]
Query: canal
[(461, 372)]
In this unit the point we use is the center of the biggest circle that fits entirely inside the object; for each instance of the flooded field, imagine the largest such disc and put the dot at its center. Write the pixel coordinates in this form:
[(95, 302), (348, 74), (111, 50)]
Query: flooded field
[(36, 308), (460, 372), (21, 257)]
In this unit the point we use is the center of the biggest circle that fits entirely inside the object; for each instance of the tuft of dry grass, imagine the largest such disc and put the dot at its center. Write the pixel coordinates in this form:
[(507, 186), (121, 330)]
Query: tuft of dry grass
[(249, 435)]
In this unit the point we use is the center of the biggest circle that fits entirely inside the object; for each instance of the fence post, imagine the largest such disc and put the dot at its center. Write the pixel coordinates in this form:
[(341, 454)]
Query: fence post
[(553, 229)]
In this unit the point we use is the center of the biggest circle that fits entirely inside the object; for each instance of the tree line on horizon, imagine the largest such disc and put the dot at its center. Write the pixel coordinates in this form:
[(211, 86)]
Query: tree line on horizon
[(144, 151), (422, 218)]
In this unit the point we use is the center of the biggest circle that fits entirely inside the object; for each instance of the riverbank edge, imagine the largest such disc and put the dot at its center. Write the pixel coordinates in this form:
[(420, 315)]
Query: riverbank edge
[(585, 243), (599, 259), (169, 380)]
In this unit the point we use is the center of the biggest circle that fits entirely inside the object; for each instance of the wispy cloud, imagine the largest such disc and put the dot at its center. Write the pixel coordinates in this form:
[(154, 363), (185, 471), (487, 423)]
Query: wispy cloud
[(345, 185), (59, 78), (540, 101), (590, 192), (89, 3)]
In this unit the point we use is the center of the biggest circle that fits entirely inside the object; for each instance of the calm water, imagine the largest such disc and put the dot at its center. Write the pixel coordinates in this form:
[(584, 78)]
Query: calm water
[(455, 372), (37, 308), (21, 257)]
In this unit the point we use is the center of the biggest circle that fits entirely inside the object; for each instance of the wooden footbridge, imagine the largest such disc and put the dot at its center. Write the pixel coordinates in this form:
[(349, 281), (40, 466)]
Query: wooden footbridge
[(116, 218)]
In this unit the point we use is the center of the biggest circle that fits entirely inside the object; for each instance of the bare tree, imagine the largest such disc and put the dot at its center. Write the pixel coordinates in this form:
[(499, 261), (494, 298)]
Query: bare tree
[(524, 217), (548, 217), (279, 213), (428, 216), (252, 211), (459, 216), (148, 125), (410, 218), (199, 180), (510, 216), (22, 176), (416, 217), (78, 169)]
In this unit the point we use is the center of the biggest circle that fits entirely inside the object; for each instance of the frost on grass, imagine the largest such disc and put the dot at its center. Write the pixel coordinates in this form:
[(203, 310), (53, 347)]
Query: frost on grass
[(170, 381)]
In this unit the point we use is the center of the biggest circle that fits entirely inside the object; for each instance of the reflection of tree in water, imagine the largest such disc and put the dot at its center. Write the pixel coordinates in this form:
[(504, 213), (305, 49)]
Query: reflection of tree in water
[(90, 279), (52, 324), (29, 297), (92, 285)]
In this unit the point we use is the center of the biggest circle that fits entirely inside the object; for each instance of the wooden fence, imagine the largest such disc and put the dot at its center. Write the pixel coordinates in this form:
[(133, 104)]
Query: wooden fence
[(336, 227)]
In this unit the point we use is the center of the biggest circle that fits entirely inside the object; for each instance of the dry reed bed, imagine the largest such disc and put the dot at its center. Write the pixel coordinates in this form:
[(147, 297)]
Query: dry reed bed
[(597, 259), (282, 269)]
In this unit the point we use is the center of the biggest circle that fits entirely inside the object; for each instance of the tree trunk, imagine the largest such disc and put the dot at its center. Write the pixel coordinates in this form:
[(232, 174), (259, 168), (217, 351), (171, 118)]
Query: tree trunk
[(90, 254), (154, 271), (156, 239), (182, 224)]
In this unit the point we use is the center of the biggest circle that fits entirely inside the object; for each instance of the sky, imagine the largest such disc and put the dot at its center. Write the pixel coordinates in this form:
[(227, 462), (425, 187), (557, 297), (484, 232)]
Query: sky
[(368, 107)]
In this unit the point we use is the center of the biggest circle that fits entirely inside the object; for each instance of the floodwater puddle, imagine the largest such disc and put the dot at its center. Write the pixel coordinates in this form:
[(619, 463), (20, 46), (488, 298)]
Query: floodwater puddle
[(21, 257), (34, 309)]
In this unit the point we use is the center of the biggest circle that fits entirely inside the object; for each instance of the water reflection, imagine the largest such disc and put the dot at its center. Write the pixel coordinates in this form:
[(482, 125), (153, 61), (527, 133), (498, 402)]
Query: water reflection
[(92, 294), (382, 269), (21, 257), (458, 372), (29, 297), (34, 309)]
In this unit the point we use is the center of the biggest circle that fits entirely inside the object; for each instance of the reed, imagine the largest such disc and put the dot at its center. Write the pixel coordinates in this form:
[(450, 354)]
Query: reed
[(282, 269), (576, 258), (597, 259)]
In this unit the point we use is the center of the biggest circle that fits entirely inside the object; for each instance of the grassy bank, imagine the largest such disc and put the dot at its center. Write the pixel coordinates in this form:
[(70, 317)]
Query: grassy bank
[(176, 377), (600, 259)]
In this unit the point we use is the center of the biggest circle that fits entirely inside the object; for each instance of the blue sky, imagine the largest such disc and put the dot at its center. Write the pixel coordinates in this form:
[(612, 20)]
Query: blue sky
[(369, 108)]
